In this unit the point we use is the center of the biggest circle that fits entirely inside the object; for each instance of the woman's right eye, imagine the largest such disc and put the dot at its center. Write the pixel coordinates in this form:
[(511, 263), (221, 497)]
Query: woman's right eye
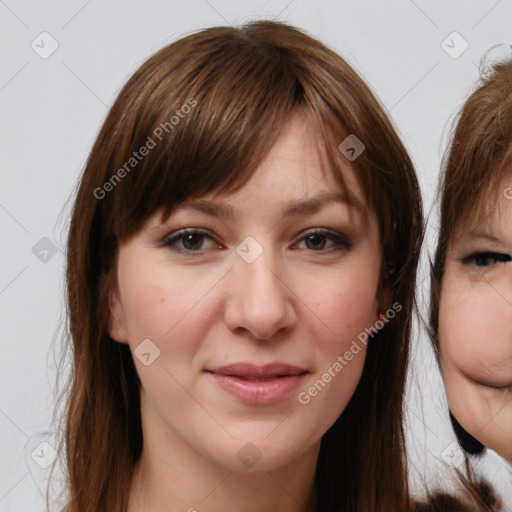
[(191, 241), (485, 259)]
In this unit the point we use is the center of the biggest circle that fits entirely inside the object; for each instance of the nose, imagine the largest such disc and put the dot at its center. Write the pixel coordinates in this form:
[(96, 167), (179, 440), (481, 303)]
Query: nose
[(259, 299)]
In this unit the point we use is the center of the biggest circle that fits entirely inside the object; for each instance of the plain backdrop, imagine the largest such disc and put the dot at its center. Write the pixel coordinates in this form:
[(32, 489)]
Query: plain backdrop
[(63, 63)]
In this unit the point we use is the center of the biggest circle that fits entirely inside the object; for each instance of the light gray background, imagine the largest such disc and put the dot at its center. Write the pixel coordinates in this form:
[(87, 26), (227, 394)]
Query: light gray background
[(51, 110)]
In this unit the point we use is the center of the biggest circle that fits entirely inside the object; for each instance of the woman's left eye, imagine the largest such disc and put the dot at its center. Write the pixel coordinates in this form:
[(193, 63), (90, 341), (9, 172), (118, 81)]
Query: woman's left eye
[(192, 240), (316, 238), (485, 259)]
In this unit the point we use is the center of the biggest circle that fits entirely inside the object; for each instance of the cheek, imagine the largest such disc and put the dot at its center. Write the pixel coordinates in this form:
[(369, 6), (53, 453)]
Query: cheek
[(351, 300), (347, 309), (174, 311), (475, 332), (158, 303), (350, 307)]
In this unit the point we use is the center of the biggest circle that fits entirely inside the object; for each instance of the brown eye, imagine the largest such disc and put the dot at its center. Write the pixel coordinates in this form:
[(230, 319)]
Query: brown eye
[(485, 259)]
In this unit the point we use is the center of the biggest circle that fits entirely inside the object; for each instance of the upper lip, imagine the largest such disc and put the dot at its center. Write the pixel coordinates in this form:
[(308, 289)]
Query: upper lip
[(252, 371)]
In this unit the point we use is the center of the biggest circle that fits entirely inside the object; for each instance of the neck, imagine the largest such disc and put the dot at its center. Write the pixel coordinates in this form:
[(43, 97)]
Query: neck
[(172, 476)]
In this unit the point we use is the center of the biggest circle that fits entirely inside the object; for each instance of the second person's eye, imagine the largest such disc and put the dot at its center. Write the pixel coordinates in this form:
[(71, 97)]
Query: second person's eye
[(485, 259)]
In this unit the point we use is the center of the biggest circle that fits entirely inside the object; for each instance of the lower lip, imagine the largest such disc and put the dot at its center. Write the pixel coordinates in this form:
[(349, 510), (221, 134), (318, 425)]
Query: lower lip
[(259, 392)]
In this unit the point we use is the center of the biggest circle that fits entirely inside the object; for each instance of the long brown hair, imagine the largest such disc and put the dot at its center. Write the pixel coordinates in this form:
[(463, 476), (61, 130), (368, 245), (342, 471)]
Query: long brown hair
[(478, 158), (218, 100)]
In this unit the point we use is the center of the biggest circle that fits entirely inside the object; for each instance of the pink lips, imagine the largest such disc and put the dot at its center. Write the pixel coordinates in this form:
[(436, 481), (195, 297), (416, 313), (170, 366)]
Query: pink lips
[(258, 385)]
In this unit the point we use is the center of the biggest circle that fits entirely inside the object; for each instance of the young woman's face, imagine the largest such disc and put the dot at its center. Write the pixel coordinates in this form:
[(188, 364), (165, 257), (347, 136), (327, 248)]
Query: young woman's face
[(475, 328), (275, 283)]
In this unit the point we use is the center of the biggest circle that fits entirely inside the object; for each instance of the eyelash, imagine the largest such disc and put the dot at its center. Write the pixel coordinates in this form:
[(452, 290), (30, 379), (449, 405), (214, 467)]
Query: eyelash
[(341, 241), (479, 256)]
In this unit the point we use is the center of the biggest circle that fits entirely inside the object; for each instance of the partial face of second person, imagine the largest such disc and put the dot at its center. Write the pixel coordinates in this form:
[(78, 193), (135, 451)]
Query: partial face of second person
[(475, 327), (298, 291)]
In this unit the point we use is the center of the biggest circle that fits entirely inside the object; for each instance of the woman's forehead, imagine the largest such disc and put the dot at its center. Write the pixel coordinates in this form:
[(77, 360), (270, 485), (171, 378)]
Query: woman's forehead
[(296, 171)]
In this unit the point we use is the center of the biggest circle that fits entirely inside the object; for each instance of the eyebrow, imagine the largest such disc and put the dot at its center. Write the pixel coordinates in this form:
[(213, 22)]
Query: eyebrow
[(485, 237), (298, 207)]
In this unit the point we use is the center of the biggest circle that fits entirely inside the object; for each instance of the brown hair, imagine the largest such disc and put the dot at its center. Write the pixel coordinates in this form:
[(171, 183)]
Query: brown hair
[(474, 167), (242, 85)]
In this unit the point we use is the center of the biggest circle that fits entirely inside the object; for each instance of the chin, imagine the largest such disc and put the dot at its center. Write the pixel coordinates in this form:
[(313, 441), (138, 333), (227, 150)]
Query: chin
[(506, 454), (500, 446), (259, 454)]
